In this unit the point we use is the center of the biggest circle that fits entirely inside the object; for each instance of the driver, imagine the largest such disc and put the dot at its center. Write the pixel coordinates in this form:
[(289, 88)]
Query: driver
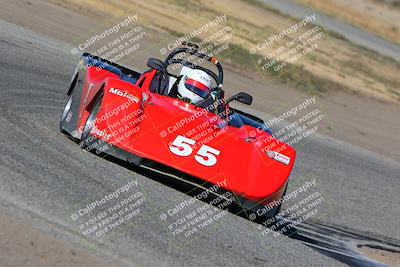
[(194, 86)]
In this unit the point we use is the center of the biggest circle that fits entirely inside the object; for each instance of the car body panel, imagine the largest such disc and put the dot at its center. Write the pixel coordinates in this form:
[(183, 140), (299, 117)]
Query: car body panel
[(149, 123)]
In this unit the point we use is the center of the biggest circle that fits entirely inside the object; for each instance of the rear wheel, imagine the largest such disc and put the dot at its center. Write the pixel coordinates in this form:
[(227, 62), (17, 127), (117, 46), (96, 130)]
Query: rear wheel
[(254, 209)]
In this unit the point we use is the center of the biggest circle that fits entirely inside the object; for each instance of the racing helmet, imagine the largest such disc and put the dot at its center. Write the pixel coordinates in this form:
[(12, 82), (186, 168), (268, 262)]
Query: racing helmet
[(195, 86)]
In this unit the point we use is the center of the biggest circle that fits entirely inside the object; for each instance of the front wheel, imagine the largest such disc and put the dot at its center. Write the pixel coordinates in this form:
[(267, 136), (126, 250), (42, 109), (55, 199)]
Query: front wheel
[(87, 140), (69, 116), (66, 113)]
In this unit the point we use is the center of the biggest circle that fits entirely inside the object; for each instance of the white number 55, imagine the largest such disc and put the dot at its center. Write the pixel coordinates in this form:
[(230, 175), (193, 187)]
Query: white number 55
[(181, 146)]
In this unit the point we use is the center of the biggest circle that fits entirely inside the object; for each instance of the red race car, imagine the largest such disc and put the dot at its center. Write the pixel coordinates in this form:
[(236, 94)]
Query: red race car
[(178, 122)]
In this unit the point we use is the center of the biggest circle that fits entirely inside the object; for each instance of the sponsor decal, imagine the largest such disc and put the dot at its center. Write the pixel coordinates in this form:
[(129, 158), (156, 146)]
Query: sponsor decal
[(122, 93), (278, 157), (100, 133)]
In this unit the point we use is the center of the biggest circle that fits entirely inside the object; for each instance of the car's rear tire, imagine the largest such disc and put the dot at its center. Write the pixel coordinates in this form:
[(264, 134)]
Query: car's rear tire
[(277, 209), (252, 210)]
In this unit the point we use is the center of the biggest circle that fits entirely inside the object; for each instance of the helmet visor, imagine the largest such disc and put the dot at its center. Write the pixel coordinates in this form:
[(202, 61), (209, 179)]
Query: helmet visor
[(197, 87)]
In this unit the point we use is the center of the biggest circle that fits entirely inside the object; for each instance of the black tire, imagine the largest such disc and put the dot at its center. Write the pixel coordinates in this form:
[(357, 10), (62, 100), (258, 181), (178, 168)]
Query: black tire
[(63, 124), (276, 210), (270, 213), (67, 108), (86, 140)]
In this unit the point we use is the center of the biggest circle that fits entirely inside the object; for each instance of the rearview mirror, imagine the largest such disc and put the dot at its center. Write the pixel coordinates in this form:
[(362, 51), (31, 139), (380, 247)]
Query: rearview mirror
[(155, 64), (242, 98)]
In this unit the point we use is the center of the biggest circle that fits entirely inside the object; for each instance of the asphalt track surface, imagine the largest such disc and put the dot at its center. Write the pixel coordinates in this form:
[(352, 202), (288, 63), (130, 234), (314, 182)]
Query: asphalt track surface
[(43, 175), (351, 33)]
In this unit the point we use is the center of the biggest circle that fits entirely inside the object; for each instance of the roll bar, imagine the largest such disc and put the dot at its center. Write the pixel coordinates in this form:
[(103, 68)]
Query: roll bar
[(192, 49)]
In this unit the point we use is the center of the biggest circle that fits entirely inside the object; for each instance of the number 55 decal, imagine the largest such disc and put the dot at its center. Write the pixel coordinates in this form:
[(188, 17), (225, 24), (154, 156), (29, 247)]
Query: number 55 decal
[(182, 146)]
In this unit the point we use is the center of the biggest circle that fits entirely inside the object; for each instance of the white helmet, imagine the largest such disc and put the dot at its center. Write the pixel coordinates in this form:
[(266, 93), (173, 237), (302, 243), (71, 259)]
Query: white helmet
[(195, 85)]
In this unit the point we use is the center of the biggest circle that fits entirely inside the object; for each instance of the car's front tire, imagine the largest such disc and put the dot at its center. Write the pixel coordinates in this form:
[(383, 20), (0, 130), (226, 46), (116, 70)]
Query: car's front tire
[(65, 124), (86, 139), (67, 108)]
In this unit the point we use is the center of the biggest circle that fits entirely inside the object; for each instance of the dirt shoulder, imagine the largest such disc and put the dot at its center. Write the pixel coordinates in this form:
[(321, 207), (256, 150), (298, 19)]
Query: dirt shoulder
[(386, 257), (330, 62), (375, 16)]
